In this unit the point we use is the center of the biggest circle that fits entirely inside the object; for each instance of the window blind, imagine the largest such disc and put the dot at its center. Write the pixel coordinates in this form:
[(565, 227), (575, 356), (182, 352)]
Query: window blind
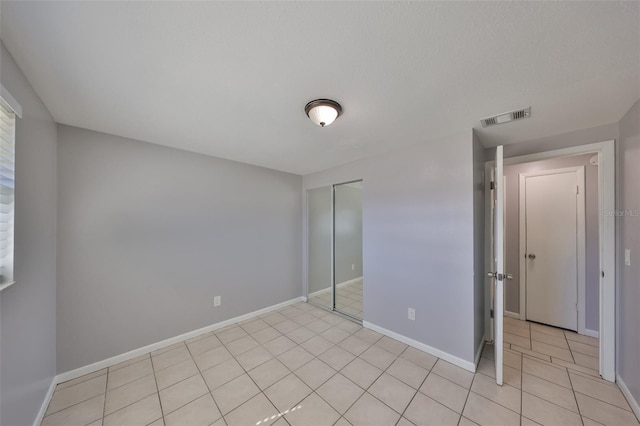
[(7, 179)]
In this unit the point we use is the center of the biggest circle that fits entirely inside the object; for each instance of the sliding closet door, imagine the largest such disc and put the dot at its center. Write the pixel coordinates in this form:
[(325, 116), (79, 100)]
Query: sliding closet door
[(347, 266), (320, 226)]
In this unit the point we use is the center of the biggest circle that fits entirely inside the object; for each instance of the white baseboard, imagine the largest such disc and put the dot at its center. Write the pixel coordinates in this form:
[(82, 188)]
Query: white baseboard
[(45, 403), (319, 292), (591, 333), (328, 289), (479, 351), (627, 394), (467, 365), (345, 283), (512, 315), (69, 375)]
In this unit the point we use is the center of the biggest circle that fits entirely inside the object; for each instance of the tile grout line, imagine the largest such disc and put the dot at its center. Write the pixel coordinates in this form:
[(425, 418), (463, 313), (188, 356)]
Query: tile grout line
[(418, 389), (291, 371), (157, 389), (209, 391), (466, 399), (573, 391), (362, 359), (104, 405), (570, 350), (317, 357), (251, 378), (72, 405)]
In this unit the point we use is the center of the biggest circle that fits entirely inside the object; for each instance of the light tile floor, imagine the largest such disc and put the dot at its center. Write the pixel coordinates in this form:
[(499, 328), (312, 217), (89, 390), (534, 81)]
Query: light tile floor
[(348, 299), (302, 365)]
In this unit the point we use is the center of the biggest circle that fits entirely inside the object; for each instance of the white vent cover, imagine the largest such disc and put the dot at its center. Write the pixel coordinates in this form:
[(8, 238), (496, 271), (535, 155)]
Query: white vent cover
[(506, 117)]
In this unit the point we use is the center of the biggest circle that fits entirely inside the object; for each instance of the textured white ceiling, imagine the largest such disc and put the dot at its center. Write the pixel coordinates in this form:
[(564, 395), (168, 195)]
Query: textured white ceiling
[(231, 79)]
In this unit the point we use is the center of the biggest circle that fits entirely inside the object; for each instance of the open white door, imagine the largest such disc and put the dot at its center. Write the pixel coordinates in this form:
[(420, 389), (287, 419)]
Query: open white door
[(497, 274)]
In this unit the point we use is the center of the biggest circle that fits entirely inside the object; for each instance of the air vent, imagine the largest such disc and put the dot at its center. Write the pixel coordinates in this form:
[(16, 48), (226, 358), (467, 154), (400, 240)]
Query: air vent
[(506, 117)]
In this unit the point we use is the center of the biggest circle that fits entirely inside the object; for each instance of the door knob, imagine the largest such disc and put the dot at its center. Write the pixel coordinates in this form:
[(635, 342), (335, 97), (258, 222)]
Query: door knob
[(532, 256), (509, 276)]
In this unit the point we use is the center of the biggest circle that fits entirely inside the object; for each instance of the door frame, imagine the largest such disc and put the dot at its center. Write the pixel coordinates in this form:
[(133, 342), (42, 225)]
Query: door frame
[(580, 237), (606, 203)]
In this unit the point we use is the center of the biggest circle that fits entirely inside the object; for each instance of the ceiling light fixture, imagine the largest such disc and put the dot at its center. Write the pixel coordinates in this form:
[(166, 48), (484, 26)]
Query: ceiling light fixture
[(323, 111)]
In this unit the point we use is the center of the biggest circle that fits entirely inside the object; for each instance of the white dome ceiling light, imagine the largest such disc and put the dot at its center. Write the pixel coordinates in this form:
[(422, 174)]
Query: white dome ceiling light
[(323, 111)]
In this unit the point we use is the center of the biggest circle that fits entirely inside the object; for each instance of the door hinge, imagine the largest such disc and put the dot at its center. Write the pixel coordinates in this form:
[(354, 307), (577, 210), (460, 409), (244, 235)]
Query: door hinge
[(491, 313), (602, 274), (577, 189), (492, 185)]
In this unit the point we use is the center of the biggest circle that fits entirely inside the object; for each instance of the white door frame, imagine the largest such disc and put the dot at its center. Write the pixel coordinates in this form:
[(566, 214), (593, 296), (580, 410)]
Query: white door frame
[(607, 229), (580, 235)]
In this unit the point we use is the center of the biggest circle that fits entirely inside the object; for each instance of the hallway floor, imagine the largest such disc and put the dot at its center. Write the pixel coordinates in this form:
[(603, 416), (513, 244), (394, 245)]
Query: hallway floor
[(302, 365)]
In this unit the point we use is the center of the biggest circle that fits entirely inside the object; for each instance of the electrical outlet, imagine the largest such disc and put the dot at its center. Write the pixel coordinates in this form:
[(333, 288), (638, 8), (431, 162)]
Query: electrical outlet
[(627, 257), (412, 314), (217, 301), (353, 267)]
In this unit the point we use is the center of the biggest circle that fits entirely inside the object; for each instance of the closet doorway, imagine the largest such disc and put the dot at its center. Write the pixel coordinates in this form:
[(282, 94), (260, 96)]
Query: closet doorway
[(335, 248)]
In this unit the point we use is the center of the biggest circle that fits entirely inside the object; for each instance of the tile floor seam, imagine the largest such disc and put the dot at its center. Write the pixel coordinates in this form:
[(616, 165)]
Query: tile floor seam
[(497, 403), (128, 383), (104, 404), (365, 390), (349, 407), (605, 402), (374, 381), (553, 403), (466, 398), (440, 403), (210, 391), (261, 392), (82, 381), (422, 384), (552, 383), (573, 392), (157, 389), (569, 346), (183, 405), (72, 405)]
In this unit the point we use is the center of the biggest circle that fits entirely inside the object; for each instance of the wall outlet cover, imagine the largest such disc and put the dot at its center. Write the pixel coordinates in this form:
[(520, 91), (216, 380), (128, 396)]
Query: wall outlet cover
[(412, 314), (217, 301), (627, 257)]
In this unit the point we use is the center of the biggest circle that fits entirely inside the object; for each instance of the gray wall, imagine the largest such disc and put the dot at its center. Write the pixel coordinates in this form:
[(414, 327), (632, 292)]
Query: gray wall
[(319, 241), (28, 308), (628, 338), (577, 137), (348, 228), (480, 280), (512, 217), (418, 240), (148, 235)]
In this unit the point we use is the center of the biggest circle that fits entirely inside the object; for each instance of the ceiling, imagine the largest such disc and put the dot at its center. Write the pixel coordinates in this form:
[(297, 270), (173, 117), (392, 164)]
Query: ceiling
[(231, 79)]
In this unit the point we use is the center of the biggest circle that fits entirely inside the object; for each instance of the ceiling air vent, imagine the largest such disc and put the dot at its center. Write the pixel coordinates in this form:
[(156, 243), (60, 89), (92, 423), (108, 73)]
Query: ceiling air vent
[(506, 117)]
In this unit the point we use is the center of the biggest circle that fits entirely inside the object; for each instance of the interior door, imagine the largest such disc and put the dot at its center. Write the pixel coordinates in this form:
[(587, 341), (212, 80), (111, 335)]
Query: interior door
[(497, 274), (551, 248)]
